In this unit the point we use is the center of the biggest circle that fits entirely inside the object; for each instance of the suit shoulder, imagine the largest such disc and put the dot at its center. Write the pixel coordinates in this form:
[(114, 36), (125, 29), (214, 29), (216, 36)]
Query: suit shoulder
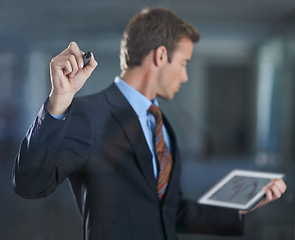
[(94, 100), (88, 101)]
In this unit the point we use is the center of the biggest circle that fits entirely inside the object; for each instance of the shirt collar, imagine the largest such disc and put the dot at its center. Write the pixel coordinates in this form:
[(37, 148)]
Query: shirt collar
[(138, 101)]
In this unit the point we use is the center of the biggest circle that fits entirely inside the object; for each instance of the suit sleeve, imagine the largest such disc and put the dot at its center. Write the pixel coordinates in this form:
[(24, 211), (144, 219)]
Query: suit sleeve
[(196, 218), (51, 150)]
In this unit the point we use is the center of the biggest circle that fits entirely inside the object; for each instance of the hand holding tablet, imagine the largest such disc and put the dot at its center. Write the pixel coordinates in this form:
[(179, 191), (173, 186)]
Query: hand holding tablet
[(242, 190)]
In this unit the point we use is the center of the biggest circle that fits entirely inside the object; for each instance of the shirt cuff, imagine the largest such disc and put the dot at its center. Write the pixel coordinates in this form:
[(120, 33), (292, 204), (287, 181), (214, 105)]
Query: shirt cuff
[(59, 117)]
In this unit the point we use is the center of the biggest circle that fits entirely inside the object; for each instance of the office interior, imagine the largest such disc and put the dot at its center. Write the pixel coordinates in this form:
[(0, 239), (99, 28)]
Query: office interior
[(235, 112)]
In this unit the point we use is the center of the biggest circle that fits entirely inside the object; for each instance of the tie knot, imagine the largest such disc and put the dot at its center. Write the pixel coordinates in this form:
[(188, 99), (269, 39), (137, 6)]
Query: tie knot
[(155, 110)]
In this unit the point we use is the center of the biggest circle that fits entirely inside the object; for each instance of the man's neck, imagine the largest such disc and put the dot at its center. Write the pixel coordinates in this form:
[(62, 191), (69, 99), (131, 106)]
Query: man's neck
[(141, 79)]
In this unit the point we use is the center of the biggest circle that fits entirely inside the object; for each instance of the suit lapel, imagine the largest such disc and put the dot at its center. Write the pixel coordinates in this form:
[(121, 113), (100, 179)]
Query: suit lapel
[(128, 119)]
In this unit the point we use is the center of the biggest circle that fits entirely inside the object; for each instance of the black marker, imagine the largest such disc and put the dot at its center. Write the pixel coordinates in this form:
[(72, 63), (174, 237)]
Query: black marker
[(86, 58)]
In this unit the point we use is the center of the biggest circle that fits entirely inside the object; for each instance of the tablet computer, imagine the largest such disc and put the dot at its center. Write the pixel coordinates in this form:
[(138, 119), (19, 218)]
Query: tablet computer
[(240, 189)]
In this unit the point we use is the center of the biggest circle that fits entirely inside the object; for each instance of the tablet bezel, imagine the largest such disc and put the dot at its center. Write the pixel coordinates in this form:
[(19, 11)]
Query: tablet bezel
[(205, 199)]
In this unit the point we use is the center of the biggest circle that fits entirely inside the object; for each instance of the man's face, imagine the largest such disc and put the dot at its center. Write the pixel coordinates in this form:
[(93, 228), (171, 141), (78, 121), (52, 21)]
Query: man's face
[(174, 73)]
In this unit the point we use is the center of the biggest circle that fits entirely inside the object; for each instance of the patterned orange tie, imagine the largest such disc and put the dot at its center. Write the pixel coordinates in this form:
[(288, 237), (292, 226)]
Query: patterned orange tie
[(162, 153)]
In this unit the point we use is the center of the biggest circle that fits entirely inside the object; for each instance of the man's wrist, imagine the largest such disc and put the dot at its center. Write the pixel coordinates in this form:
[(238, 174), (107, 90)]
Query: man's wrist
[(58, 105)]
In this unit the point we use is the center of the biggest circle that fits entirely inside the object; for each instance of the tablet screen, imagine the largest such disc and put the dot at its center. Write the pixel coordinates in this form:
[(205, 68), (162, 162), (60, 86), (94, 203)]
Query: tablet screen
[(240, 189)]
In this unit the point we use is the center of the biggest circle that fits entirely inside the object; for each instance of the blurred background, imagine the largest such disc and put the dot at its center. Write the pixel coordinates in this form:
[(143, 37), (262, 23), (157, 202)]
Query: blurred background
[(236, 110)]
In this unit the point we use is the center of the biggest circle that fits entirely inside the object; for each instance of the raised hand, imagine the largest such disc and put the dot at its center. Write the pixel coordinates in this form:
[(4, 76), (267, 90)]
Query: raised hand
[(67, 77)]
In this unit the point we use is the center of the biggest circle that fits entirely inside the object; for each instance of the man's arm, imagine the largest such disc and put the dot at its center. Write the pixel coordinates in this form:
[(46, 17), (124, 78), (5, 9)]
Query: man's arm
[(203, 219), (49, 152), (196, 218)]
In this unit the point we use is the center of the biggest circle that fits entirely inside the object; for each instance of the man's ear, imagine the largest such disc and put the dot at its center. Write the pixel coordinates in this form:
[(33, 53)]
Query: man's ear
[(160, 55)]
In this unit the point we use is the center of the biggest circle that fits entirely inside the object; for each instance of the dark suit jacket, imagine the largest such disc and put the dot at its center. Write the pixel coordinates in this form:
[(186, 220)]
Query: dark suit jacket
[(100, 147)]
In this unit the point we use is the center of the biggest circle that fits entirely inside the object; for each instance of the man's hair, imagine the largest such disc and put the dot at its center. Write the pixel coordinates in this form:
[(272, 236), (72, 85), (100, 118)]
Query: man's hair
[(148, 30)]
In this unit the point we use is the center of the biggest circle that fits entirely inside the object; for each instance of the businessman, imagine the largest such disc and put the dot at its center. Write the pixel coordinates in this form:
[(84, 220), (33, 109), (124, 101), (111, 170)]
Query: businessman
[(117, 149)]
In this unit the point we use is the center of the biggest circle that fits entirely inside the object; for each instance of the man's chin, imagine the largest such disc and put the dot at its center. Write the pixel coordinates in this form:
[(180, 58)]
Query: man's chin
[(167, 97)]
